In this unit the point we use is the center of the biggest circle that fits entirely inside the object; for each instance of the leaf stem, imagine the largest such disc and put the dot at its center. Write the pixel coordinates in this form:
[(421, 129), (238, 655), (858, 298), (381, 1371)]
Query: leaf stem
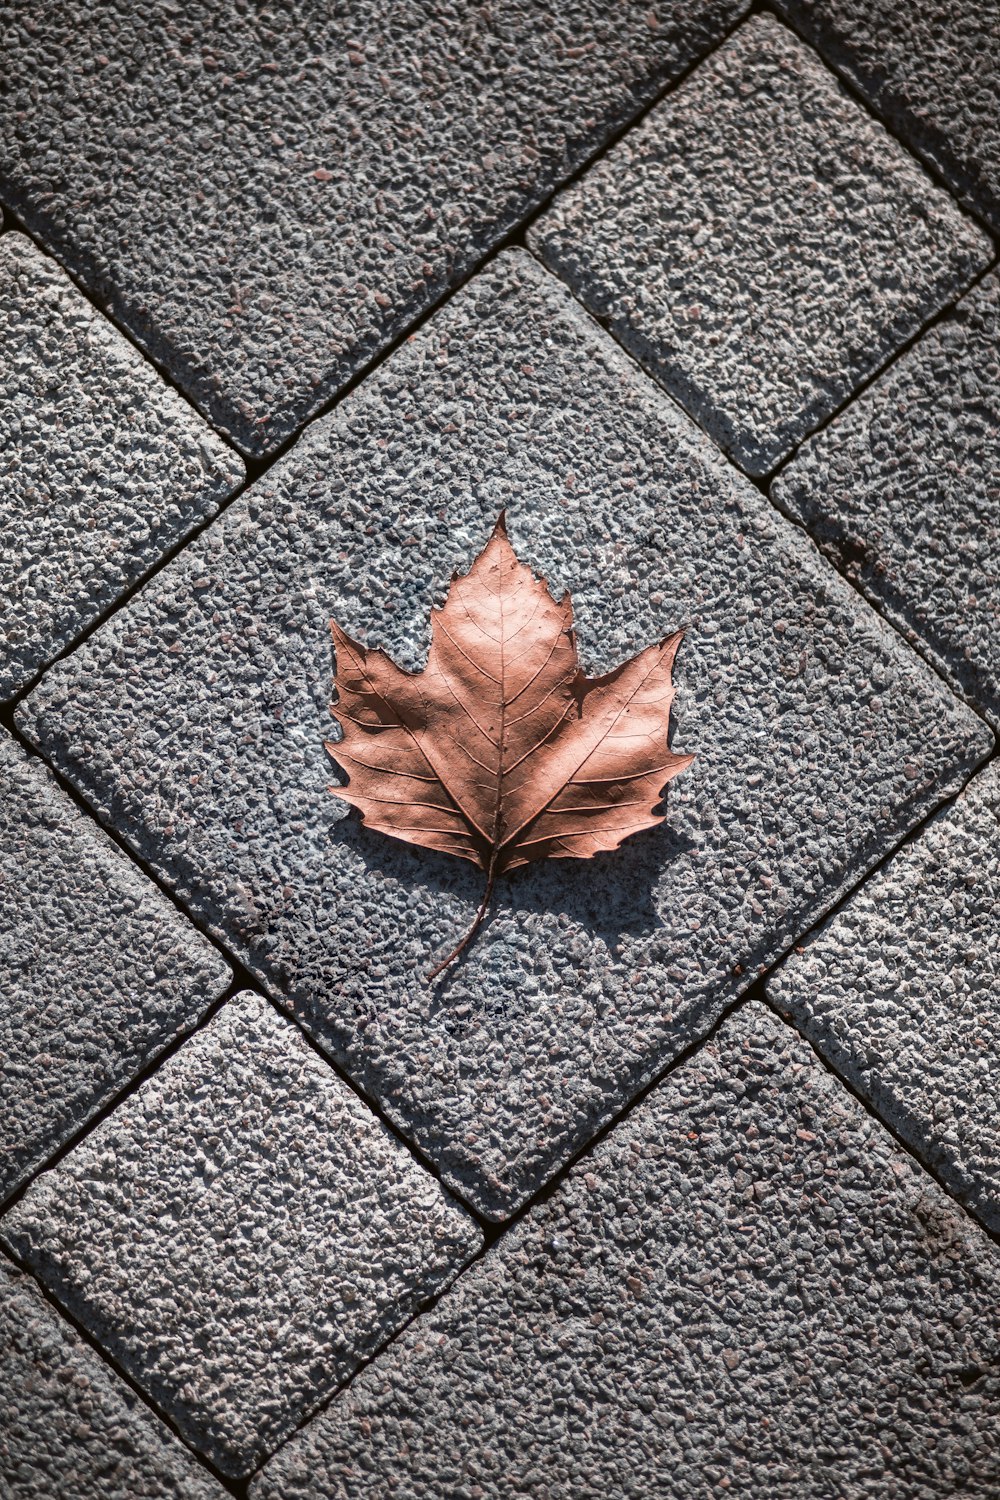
[(477, 923)]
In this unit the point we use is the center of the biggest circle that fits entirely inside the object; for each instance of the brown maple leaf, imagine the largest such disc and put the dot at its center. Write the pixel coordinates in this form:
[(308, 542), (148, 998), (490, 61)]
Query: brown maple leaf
[(501, 751)]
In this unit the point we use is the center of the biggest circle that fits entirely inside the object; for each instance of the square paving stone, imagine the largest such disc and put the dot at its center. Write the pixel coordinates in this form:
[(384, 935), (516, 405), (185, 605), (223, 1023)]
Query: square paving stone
[(931, 70), (746, 1288), (821, 738), (265, 198), (760, 244), (899, 990), (70, 1428), (902, 491), (99, 971), (240, 1233), (103, 467)]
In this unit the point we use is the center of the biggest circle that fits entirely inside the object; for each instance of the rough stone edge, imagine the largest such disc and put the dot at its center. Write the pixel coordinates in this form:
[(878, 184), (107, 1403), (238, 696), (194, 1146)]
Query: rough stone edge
[(910, 1126), (928, 141), (229, 467), (754, 458), (145, 890)]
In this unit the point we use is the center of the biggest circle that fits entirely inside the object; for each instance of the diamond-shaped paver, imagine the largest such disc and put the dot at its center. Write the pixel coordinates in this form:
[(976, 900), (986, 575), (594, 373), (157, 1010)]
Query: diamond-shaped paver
[(240, 1233), (760, 243), (820, 737), (931, 70), (70, 1428), (746, 1289), (99, 971), (103, 467), (901, 991), (265, 198), (903, 492)]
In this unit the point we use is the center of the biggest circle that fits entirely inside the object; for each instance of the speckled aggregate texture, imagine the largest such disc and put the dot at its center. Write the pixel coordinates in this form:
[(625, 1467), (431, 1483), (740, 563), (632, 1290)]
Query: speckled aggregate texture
[(99, 971), (70, 1428), (240, 1233), (931, 70), (899, 990), (820, 737), (902, 491), (266, 195), (760, 244), (746, 1289), (103, 467)]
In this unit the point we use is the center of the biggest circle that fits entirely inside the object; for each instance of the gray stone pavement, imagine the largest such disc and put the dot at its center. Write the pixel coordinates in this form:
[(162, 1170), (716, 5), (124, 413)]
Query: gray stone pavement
[(900, 991), (70, 1429), (234, 1277), (820, 738), (747, 1289), (103, 468), (760, 244), (100, 972), (240, 1233), (931, 70), (902, 492), (266, 198)]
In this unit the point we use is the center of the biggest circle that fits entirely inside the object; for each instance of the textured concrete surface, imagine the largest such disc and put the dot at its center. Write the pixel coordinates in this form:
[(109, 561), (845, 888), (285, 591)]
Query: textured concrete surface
[(70, 1428), (820, 737), (899, 990), (240, 1233), (902, 491), (746, 1289), (931, 70), (265, 198), (103, 467), (760, 244), (100, 971)]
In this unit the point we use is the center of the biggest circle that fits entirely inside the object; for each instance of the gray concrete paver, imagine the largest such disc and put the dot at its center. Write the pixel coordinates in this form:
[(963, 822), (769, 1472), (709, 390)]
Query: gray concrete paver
[(902, 492), (99, 971), (70, 1428), (240, 1232), (931, 71), (760, 243), (821, 739), (103, 468), (746, 1288), (266, 196), (899, 990)]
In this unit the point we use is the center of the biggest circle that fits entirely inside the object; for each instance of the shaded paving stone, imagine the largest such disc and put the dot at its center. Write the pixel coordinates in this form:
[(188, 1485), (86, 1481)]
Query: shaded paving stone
[(902, 491), (240, 1233), (899, 991), (821, 738), (745, 1287), (760, 244), (931, 70), (100, 971), (103, 467), (266, 198), (70, 1429)]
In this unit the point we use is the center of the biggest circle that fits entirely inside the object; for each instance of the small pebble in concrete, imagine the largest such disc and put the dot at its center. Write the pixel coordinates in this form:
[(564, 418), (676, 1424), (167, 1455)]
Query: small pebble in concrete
[(931, 70), (745, 1289), (70, 1428), (820, 737), (266, 197), (902, 492), (760, 244), (103, 468), (240, 1233), (900, 992), (100, 971)]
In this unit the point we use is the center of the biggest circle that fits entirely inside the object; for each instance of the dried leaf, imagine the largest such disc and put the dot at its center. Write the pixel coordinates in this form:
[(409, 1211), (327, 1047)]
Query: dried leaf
[(501, 751)]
